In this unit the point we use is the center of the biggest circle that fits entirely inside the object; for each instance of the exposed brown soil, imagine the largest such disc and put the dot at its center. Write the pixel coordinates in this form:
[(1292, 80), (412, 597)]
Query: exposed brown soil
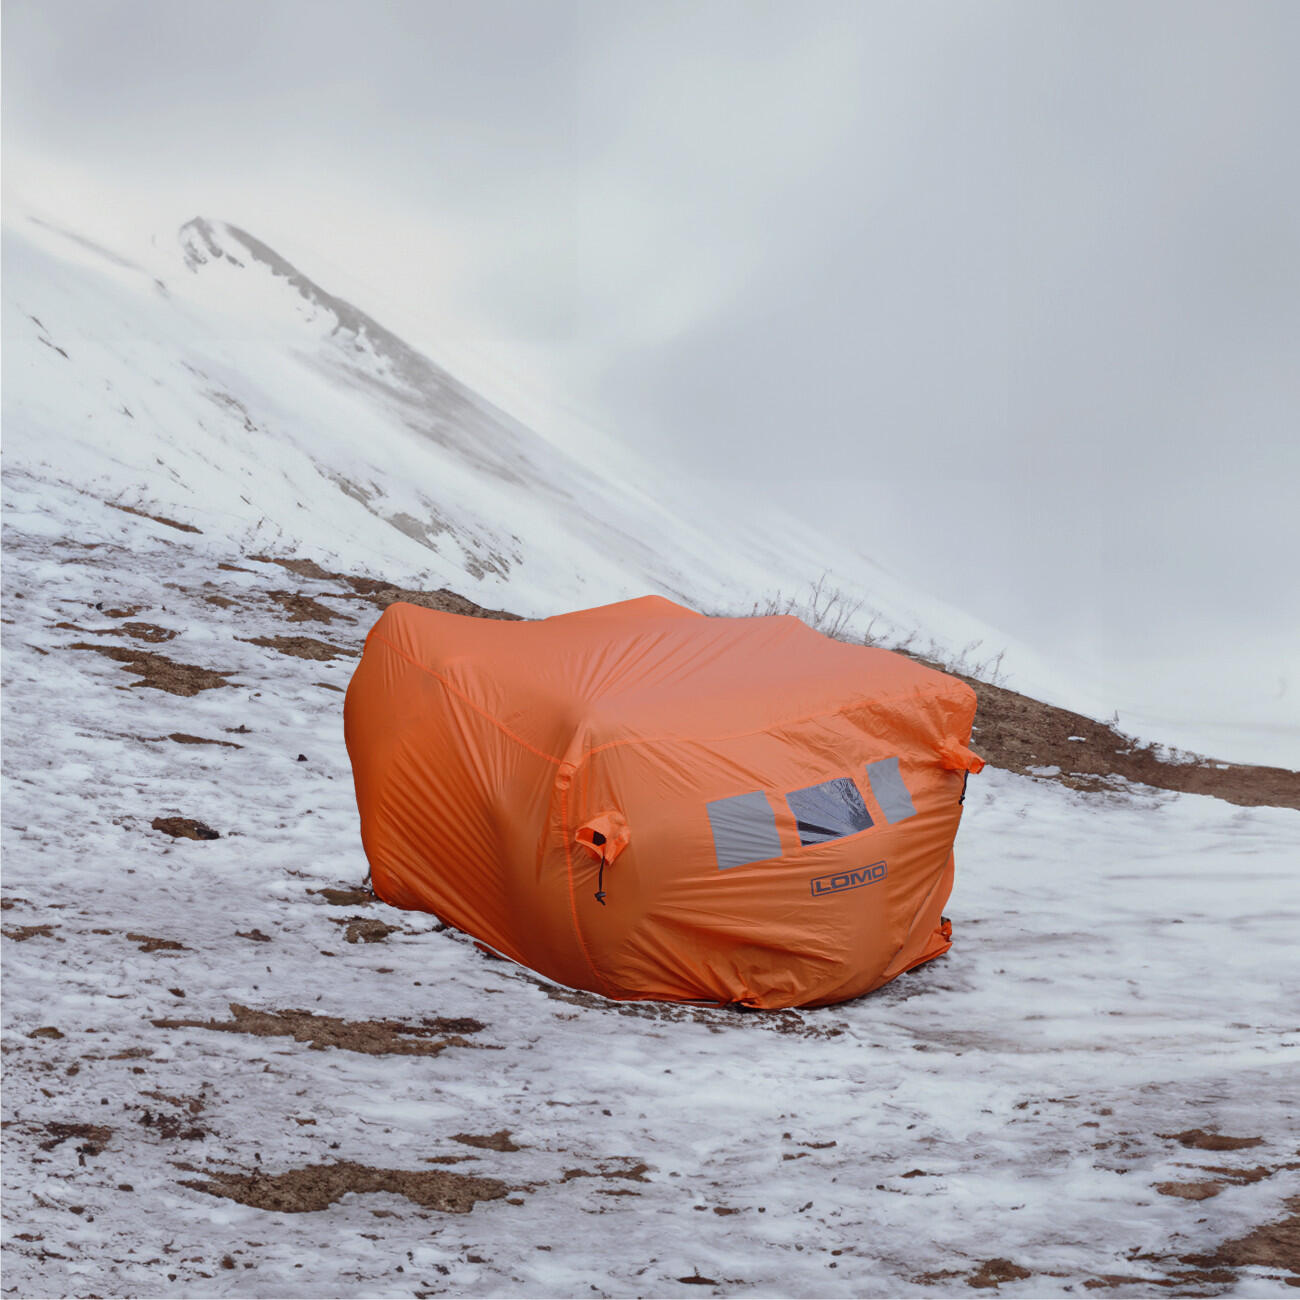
[(1190, 1191), (372, 1037), (191, 1104), (185, 828), (498, 1141), (158, 671), (20, 933), (993, 1271), (158, 519), (1017, 733), (362, 929), (1203, 1141), (149, 943), (635, 1172), (1238, 1177), (315, 1187), (1272, 1245), (383, 594), (184, 738), (303, 609), (150, 632), (93, 1138), (345, 897), (173, 1127), (300, 647)]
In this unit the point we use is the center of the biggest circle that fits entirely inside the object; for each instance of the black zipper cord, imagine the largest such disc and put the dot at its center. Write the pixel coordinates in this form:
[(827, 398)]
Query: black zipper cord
[(599, 841)]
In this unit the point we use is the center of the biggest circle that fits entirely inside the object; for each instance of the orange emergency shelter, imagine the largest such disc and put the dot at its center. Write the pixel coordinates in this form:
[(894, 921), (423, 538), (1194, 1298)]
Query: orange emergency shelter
[(649, 803)]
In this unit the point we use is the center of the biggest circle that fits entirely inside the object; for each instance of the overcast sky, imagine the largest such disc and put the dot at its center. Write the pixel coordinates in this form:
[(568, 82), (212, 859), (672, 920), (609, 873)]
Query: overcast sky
[(1005, 294)]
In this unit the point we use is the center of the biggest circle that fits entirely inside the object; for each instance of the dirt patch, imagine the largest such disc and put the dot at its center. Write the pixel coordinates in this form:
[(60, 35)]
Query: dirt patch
[(173, 1127), (184, 738), (127, 611), (148, 943), (185, 828), (1019, 733), (158, 519), (345, 897), (315, 1187), (303, 568), (1273, 1246), (1190, 1191), (1240, 1177), (361, 929), (371, 1037), (255, 935), (993, 1271), (1203, 1141), (382, 594), (303, 609), (21, 933), (300, 647), (93, 1138), (150, 632), (158, 671), (635, 1172), (498, 1141)]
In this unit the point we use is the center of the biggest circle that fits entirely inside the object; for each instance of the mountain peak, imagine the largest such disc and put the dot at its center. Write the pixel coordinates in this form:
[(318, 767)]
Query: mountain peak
[(205, 242)]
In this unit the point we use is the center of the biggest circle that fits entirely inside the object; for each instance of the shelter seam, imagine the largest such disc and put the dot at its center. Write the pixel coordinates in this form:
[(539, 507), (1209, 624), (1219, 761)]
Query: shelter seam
[(568, 865)]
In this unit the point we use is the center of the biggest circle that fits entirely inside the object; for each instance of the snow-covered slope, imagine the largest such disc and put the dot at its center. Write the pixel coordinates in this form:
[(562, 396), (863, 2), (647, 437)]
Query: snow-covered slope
[(221, 1080), (225, 388)]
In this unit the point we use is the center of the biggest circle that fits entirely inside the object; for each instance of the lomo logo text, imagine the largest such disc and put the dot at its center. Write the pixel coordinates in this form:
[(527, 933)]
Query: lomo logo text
[(848, 879)]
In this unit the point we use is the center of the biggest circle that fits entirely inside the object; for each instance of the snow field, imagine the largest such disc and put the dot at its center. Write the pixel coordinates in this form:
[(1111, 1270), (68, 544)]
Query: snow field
[(1123, 969)]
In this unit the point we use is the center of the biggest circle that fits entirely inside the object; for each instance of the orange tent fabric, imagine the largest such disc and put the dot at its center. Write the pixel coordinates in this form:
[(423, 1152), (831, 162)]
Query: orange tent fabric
[(649, 803)]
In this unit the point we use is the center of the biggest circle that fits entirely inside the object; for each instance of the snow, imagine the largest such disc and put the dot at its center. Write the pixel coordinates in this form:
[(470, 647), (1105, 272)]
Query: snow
[(1123, 969), (1124, 966)]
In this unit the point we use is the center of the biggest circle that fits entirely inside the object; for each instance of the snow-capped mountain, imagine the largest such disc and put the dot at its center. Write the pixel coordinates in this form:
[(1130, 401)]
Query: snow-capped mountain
[(223, 385)]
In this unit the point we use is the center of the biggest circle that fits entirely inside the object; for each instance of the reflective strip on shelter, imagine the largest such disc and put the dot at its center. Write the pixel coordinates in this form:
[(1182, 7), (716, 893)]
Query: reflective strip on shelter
[(744, 830), (829, 811), (891, 794)]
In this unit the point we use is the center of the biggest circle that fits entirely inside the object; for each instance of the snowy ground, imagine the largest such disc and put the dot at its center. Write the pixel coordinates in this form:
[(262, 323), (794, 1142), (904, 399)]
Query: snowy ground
[(1125, 971)]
